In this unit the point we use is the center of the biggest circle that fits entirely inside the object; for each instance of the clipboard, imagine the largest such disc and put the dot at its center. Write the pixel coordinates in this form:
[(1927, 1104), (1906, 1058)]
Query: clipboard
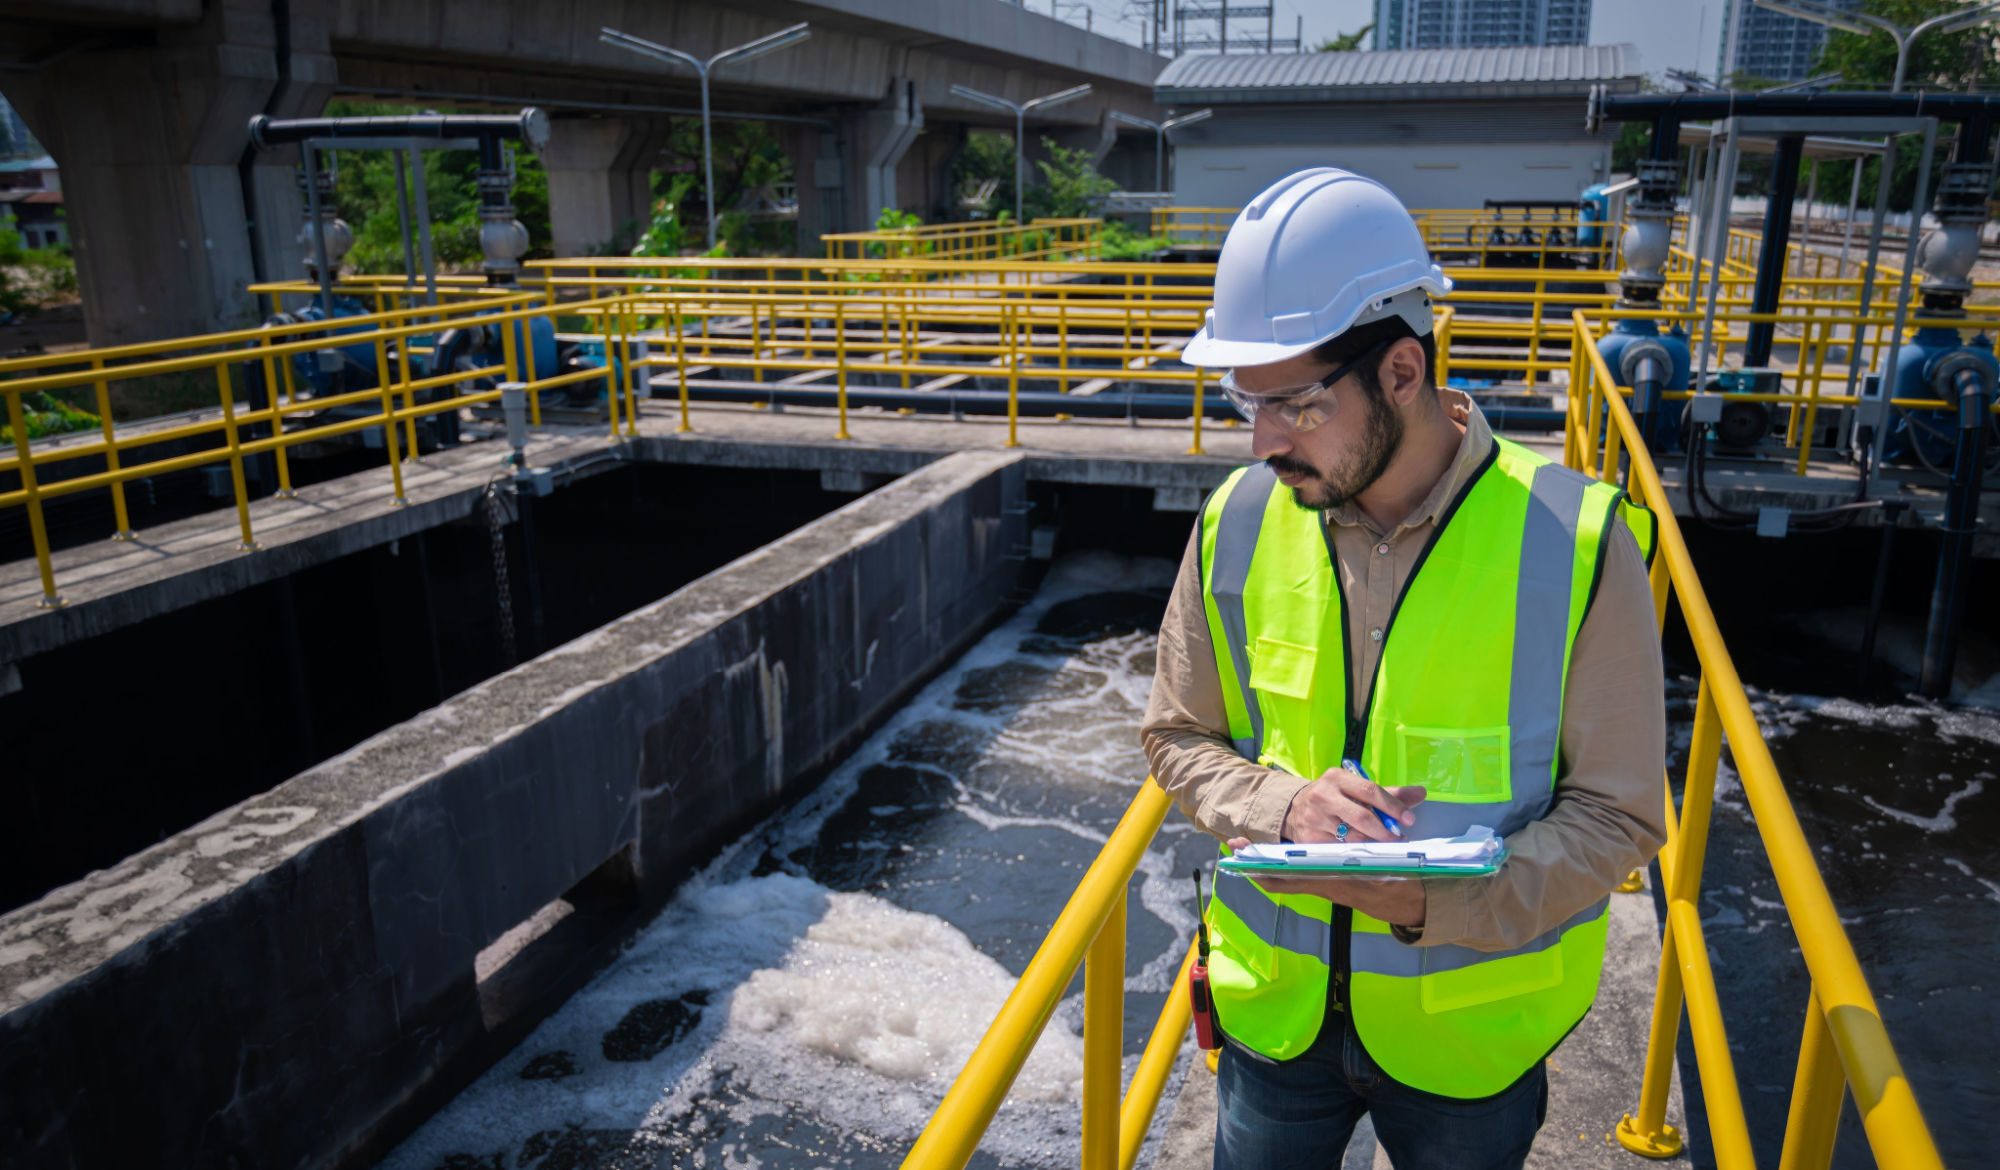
[(1477, 853), (1415, 865)]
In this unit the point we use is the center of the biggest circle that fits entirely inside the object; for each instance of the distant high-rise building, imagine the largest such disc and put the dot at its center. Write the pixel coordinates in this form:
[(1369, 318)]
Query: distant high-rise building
[(1757, 42), (1455, 24)]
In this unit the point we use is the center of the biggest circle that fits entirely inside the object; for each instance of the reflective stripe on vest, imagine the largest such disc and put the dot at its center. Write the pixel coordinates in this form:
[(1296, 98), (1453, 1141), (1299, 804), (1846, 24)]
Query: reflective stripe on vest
[(1380, 953), (1502, 597)]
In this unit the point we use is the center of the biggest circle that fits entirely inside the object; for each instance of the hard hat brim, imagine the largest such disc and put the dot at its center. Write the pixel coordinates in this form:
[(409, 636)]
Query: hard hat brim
[(1206, 350), (1210, 352)]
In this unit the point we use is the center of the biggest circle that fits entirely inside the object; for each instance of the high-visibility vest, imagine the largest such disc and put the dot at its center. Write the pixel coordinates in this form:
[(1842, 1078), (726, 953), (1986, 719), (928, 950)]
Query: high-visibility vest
[(1466, 700)]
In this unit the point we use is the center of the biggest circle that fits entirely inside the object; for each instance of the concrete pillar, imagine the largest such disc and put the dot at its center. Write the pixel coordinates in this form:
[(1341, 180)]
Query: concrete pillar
[(600, 180), (171, 214), (821, 179), (882, 137), (847, 172)]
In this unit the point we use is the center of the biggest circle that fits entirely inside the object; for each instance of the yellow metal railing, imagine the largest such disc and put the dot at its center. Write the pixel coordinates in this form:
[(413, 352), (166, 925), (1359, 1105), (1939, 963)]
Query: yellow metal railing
[(1090, 932), (1039, 239), (231, 430), (1193, 227), (1845, 1045)]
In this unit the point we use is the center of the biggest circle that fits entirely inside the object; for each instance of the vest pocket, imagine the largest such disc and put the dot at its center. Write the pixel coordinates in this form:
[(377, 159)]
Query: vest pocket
[(1448, 983), (1463, 764), (1282, 668)]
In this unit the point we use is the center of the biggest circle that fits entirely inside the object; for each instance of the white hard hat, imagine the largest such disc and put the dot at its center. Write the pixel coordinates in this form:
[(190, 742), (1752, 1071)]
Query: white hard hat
[(1316, 254)]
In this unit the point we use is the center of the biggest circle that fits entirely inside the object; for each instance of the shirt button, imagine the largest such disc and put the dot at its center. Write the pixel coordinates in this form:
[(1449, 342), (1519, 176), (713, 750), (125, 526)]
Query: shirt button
[(1375, 634), (1382, 549)]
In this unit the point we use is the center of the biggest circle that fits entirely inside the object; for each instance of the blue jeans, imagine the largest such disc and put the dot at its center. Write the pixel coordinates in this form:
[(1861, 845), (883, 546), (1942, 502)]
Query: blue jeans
[(1299, 1114)]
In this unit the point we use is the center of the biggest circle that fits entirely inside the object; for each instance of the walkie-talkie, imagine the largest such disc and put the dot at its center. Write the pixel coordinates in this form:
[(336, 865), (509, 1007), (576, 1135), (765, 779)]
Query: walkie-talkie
[(1205, 1035)]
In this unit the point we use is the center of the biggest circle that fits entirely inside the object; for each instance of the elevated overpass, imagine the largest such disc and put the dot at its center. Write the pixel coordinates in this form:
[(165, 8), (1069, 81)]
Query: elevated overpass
[(143, 103)]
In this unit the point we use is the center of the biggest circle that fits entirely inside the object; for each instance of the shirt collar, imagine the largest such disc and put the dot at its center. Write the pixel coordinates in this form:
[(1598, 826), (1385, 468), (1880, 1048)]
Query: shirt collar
[(1472, 450)]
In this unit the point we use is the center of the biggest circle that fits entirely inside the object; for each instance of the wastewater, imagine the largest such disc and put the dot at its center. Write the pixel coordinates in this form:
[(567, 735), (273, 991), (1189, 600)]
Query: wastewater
[(806, 998)]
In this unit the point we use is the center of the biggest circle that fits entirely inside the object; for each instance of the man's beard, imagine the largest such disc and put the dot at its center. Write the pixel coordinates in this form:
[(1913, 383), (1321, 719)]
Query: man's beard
[(1381, 437)]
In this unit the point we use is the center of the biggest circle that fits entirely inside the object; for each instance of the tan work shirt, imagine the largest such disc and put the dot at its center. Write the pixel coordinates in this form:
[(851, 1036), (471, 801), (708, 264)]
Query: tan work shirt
[(1607, 817)]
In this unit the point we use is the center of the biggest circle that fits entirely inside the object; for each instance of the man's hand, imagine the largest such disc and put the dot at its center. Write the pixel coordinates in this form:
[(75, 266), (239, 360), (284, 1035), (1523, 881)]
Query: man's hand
[(1395, 900), (1340, 796)]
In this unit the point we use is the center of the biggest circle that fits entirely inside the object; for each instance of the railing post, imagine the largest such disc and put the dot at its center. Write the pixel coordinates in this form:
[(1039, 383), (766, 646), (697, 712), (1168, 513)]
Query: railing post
[(38, 530), (840, 361), (103, 388), (389, 418), (1648, 1133), (1817, 1091), (681, 364), (235, 447), (289, 377), (1104, 1039), (1195, 447), (1007, 325)]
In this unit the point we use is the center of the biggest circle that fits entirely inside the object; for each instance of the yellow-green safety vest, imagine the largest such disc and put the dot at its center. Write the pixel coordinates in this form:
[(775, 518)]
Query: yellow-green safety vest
[(1467, 701)]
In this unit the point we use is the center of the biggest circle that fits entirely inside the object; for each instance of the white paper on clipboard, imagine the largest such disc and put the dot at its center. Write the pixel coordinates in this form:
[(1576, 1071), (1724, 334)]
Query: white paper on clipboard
[(1476, 847)]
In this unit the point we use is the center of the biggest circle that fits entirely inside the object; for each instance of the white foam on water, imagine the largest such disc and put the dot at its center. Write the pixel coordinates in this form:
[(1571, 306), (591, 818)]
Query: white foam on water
[(843, 1006), (1943, 821), (1992, 887)]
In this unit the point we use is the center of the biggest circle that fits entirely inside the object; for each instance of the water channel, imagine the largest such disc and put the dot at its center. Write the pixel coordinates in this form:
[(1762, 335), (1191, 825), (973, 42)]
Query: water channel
[(806, 998)]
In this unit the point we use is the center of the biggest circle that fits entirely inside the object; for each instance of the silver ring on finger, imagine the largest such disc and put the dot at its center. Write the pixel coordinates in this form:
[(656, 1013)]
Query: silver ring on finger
[(1340, 831)]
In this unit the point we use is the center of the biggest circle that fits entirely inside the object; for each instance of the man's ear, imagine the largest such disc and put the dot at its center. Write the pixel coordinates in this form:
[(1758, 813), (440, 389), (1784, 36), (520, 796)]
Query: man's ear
[(1402, 371)]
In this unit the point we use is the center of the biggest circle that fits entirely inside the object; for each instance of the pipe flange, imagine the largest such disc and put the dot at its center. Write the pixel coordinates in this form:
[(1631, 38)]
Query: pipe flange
[(1644, 350), (1945, 369)]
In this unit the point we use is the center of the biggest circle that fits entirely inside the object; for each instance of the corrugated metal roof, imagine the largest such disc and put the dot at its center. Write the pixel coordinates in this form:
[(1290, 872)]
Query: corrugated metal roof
[(1293, 76)]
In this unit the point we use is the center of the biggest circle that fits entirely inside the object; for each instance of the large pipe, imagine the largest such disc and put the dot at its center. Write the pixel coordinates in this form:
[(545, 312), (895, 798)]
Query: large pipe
[(1040, 403), (530, 126), (1771, 253), (1701, 107), (1970, 384)]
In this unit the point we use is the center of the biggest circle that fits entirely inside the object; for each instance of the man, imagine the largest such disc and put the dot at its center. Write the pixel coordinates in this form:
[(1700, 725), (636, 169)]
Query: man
[(1470, 622)]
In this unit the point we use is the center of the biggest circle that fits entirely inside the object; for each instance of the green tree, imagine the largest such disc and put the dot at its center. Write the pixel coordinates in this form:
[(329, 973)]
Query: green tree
[(1347, 42), (365, 195), (1071, 187), (987, 154), (1956, 61)]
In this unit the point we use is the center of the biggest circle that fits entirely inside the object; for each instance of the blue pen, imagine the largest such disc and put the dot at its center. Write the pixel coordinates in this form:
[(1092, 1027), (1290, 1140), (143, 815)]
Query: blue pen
[(1388, 822)]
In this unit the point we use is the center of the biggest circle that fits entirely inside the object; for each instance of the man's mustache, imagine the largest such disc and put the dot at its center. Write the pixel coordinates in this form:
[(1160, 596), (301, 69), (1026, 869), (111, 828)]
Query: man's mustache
[(1284, 466)]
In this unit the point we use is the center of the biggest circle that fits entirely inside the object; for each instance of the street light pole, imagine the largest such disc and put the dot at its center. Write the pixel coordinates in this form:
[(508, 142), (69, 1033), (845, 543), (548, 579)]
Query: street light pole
[(783, 38), (1865, 23), (1021, 111), (1159, 130)]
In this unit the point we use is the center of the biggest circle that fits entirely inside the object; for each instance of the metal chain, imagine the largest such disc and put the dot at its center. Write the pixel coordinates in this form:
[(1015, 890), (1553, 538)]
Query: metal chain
[(503, 595)]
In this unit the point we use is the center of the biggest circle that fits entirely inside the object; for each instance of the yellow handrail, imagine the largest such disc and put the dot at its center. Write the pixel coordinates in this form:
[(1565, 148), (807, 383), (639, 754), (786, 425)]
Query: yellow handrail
[(1845, 1040), (1092, 922)]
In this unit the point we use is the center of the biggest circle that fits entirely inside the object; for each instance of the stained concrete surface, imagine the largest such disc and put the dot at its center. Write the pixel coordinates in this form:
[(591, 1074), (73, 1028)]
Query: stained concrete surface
[(1593, 1077), (311, 952)]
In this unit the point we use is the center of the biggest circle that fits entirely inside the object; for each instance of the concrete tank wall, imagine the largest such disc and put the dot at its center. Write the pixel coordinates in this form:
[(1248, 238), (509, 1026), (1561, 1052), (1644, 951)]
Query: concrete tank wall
[(289, 982)]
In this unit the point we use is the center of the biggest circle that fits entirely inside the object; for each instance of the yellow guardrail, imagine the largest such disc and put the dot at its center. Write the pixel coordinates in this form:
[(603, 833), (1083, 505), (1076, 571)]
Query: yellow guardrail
[(1090, 932), (1039, 239), (236, 432), (1845, 1045)]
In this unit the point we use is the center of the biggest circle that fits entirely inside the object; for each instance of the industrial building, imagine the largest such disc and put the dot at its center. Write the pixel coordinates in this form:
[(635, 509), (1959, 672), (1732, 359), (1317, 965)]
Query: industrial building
[(1440, 127)]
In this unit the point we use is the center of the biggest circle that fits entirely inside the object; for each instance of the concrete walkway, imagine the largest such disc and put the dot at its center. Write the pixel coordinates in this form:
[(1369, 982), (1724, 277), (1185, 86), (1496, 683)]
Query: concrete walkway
[(1593, 1078)]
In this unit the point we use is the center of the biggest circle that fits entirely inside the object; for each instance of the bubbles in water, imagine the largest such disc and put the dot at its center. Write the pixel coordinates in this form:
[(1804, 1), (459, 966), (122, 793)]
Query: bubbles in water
[(808, 997)]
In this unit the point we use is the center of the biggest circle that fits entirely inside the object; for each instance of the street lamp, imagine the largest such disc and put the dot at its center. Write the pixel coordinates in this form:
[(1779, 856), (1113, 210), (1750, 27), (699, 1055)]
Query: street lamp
[(783, 38), (1159, 130), (1020, 113), (1865, 23)]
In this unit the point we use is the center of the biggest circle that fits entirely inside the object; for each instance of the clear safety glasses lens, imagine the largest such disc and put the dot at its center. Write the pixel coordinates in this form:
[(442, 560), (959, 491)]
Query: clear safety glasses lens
[(1300, 409)]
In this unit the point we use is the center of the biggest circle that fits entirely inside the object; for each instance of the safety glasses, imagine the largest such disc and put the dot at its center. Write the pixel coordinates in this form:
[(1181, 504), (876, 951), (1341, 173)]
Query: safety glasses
[(1299, 408)]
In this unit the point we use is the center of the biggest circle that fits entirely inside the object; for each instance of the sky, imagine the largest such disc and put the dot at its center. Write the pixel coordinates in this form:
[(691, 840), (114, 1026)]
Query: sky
[(1670, 34)]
